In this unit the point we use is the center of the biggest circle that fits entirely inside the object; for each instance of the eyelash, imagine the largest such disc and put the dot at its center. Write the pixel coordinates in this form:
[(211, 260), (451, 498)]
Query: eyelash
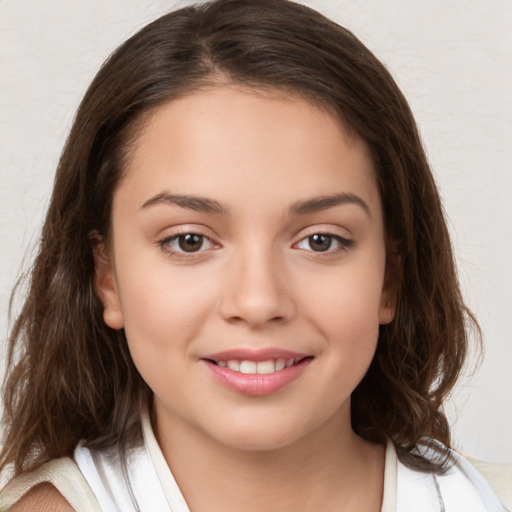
[(343, 244), (165, 244)]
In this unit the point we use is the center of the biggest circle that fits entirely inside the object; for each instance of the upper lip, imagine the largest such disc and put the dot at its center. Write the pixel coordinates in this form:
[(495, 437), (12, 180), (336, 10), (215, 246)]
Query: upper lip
[(257, 355)]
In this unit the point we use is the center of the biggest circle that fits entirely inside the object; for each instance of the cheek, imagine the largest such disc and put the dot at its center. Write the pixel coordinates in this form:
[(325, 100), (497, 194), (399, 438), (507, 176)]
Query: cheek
[(162, 318), (346, 311), (349, 299), (161, 308), (164, 308)]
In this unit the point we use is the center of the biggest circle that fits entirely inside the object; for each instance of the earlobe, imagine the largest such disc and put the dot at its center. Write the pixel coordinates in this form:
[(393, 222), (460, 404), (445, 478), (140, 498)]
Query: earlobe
[(386, 310), (105, 284)]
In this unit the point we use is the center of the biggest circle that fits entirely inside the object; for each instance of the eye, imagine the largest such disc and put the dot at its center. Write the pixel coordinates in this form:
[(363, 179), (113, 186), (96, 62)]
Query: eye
[(324, 242), (186, 243)]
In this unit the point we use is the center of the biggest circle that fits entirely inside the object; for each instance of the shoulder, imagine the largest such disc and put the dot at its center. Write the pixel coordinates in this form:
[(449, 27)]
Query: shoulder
[(58, 484), (43, 497)]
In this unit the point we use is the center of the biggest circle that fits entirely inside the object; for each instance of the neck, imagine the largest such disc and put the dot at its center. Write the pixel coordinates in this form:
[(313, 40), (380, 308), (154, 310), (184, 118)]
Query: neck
[(331, 469)]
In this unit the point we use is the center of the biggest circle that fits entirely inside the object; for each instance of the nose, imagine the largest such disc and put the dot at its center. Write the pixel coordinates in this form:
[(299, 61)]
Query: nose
[(257, 292)]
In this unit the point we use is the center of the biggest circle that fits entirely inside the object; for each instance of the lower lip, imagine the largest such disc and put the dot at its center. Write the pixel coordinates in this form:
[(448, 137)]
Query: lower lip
[(255, 384)]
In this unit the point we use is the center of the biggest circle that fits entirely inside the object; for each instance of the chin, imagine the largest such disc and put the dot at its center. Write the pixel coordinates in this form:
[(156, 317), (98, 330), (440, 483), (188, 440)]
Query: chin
[(258, 435), (259, 443)]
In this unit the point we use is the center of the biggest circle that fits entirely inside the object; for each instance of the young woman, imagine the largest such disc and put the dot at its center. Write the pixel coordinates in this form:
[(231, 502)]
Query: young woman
[(245, 296)]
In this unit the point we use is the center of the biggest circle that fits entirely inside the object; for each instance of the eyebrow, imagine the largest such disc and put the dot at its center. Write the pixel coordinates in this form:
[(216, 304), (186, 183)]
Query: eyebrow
[(206, 205), (198, 204), (317, 204)]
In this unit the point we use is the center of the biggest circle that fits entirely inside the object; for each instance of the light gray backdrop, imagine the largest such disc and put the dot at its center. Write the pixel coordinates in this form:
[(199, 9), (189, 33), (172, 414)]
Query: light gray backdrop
[(453, 59)]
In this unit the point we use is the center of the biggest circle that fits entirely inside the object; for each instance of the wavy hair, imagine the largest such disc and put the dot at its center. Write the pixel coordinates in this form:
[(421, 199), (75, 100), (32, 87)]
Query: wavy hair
[(71, 378)]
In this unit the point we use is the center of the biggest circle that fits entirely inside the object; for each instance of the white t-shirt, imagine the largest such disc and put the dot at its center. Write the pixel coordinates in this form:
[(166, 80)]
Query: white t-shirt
[(148, 485), (97, 482)]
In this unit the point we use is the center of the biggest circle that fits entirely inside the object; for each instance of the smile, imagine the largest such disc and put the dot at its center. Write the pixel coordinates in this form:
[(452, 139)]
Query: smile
[(258, 367), (257, 373)]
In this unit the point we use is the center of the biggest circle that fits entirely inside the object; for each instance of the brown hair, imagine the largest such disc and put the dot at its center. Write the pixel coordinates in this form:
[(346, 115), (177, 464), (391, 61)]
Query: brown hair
[(71, 378)]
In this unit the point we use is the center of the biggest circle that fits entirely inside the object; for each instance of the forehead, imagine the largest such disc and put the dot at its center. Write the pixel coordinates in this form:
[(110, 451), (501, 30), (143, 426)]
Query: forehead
[(233, 140)]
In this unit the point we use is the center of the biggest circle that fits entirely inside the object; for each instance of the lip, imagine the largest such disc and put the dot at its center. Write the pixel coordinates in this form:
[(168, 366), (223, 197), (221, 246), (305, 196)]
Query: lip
[(256, 355), (256, 384)]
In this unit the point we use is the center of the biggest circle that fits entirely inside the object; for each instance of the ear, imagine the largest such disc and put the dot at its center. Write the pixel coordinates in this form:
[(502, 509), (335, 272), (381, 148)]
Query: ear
[(389, 295), (105, 283)]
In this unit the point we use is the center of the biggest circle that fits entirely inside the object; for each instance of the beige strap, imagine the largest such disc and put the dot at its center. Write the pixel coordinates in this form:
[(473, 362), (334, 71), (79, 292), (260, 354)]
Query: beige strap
[(64, 475), (390, 479)]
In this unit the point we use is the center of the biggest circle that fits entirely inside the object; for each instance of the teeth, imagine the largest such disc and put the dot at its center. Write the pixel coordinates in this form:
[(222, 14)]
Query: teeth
[(265, 367), (234, 365), (260, 367), (280, 364), (248, 367)]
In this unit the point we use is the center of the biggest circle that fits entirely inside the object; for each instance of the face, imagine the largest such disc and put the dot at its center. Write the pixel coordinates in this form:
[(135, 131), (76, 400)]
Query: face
[(247, 266)]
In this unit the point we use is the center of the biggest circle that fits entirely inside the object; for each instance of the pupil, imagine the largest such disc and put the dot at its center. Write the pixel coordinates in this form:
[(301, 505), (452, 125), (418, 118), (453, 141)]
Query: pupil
[(190, 242), (320, 242)]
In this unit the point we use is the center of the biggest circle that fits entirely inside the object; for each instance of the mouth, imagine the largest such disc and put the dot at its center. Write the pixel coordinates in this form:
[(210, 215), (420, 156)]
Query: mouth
[(257, 373), (267, 367)]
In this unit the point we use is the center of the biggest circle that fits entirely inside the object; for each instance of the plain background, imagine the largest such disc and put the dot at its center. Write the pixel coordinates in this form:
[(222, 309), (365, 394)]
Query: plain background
[(453, 60)]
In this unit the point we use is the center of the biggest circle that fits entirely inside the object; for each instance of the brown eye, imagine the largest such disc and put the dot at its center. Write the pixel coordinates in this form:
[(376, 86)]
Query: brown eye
[(190, 242), (320, 242), (325, 242), (185, 244)]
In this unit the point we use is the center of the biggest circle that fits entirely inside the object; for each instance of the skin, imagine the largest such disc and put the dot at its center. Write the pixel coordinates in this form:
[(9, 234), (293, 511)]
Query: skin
[(256, 282), (45, 497)]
